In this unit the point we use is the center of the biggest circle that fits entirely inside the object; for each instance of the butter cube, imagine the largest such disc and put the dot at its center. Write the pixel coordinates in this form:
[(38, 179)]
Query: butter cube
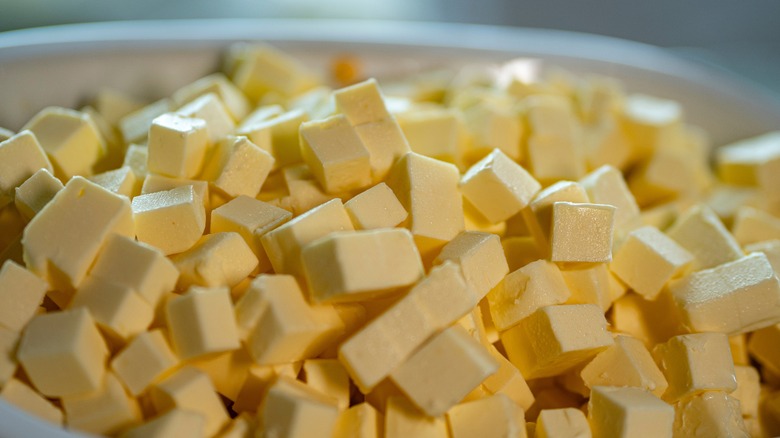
[(237, 167), (498, 187), (701, 232), (172, 220), (35, 192), (626, 363), (573, 221), (650, 121), (553, 158), (573, 334), (63, 353), (335, 154), (481, 258), (25, 398), (146, 358), (713, 413), (329, 377), (606, 143), (234, 100), (61, 242), (220, 259), (276, 133), (191, 390), (402, 419), (539, 224), (648, 259), (134, 126), (175, 422), (70, 138), (120, 181), (628, 412), (696, 363), (590, 285), (284, 244), (227, 370), (136, 157), (361, 103), (256, 382), (157, 183), (251, 219), (368, 264), (117, 309), (748, 390), (428, 190), (259, 68), (212, 110), (763, 347), (385, 143), (722, 299), (606, 185), (493, 126), (438, 133), (202, 322), (280, 326), (524, 291), (493, 416), (738, 163), (634, 315), (377, 207), (291, 409), (304, 191), (508, 381), (21, 292), (21, 156), (140, 267), (105, 411), (752, 226), (567, 422), (359, 421), (770, 248), (434, 303), (739, 349), (444, 370), (177, 145), (9, 340)]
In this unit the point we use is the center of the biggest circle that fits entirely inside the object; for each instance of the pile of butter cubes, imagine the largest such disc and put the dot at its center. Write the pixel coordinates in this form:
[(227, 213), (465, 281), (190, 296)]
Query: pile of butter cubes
[(456, 254)]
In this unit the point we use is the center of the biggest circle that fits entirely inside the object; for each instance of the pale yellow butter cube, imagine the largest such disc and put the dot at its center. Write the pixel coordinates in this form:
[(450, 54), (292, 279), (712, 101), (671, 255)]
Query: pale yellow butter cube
[(444, 370), (120, 181), (377, 207), (359, 421), (175, 422), (552, 158), (117, 309), (220, 259), (748, 390), (304, 191), (9, 340), (63, 353), (590, 285), (256, 381), (177, 145), (70, 138), (146, 358), (713, 413), (701, 232), (361, 103), (21, 292), (141, 267), (650, 121), (243, 426), (292, 409), (606, 143), (191, 390), (648, 259), (211, 109), (752, 226), (539, 223), (276, 133), (770, 248), (723, 298), (134, 126), (21, 156), (738, 163), (493, 126), (284, 244), (171, 220), (434, 303), (626, 363), (582, 232), (695, 363), (763, 347), (634, 315), (202, 322), (234, 100), (365, 265), (526, 290), (670, 173), (628, 412), (27, 399), (157, 183), (566, 422), (402, 419), (491, 417), (35, 192), (113, 104), (739, 349), (498, 187), (606, 185), (481, 258), (238, 167), (508, 381), (385, 143), (435, 132), (61, 242), (227, 371), (329, 377), (105, 411), (572, 333), (136, 157), (258, 69)]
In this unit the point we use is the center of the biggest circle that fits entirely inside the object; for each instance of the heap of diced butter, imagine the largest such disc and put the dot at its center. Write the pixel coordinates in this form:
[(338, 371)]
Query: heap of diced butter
[(465, 255)]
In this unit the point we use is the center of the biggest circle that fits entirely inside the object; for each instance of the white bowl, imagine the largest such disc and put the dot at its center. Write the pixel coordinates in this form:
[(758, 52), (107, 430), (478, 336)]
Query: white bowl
[(65, 65)]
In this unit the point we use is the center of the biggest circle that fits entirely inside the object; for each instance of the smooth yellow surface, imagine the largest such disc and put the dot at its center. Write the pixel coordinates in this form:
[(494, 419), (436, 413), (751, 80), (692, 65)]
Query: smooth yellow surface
[(292, 409), (21, 156), (738, 163), (134, 126), (626, 363), (590, 285), (258, 68), (606, 185), (493, 126), (567, 422), (117, 309), (748, 390), (171, 220), (145, 359), (628, 413), (752, 225), (235, 102), (175, 422), (329, 377), (120, 181), (377, 207), (481, 258), (361, 103), (105, 411), (540, 222), (713, 413), (219, 259), (177, 145), (359, 421), (202, 322), (507, 380), (211, 109), (35, 192), (237, 166), (701, 232), (402, 420), (276, 133), (495, 416), (21, 292), (435, 132), (763, 347), (8, 362), (635, 316), (27, 399), (582, 232)]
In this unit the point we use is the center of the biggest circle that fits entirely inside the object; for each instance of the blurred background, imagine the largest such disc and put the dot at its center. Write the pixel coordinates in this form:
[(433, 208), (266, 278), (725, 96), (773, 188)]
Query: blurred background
[(740, 36)]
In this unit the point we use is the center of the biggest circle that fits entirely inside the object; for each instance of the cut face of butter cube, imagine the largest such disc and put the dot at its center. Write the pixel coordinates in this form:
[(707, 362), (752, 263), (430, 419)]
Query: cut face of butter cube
[(752, 226), (33, 194), (329, 377), (258, 68), (210, 108), (648, 259), (105, 411), (235, 102), (70, 138), (134, 126), (748, 390), (171, 220), (493, 416), (116, 308), (291, 409), (508, 381), (202, 322), (713, 413), (238, 167), (701, 232), (227, 370), (722, 299), (63, 353), (335, 154), (385, 143), (402, 419), (628, 412), (568, 422), (21, 292), (696, 363), (27, 399), (359, 421), (21, 156), (219, 259), (626, 363), (555, 339), (632, 314), (9, 340), (175, 422), (498, 187), (763, 347), (437, 132), (650, 121), (276, 133), (494, 127), (377, 207), (177, 145), (361, 103), (363, 264), (61, 242), (582, 232), (606, 185), (481, 258), (738, 163), (590, 285), (146, 358), (120, 181), (540, 223)]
